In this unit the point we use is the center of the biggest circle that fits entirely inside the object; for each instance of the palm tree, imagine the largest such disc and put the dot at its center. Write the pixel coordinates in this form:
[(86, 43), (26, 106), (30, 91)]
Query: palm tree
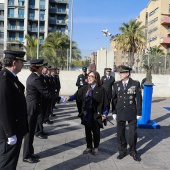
[(132, 38), (54, 49)]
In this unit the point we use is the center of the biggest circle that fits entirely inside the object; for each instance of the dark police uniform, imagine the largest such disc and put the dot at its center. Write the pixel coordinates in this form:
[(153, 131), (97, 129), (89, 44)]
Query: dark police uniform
[(82, 79), (35, 89), (58, 84), (107, 83), (127, 104), (13, 114)]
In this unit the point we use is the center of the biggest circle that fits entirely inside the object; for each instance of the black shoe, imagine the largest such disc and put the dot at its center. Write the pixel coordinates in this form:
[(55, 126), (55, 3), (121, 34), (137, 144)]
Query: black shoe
[(35, 156), (95, 152), (88, 150), (121, 156), (30, 160), (53, 115), (41, 136), (49, 122), (55, 107), (135, 157), (44, 133)]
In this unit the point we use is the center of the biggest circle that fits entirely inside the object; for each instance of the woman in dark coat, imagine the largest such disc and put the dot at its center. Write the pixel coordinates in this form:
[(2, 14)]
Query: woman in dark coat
[(92, 102)]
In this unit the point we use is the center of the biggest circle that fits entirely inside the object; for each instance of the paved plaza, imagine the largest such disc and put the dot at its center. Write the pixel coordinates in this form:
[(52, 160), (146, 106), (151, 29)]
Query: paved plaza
[(66, 142)]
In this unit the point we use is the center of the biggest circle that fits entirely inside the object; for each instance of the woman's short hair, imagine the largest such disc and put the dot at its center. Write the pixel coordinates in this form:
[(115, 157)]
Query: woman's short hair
[(33, 68), (96, 76)]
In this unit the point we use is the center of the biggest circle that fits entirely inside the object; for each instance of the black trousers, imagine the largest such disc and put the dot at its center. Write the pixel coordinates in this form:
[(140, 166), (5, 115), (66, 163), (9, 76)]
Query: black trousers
[(92, 135), (28, 148), (122, 143), (9, 154), (39, 127)]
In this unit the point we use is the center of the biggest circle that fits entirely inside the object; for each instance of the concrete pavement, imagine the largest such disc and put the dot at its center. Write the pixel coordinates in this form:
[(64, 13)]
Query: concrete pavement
[(66, 142)]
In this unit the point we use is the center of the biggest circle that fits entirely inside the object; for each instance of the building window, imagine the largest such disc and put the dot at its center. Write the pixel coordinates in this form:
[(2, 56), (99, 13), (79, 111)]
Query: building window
[(152, 39), (153, 21), (153, 12), (152, 30)]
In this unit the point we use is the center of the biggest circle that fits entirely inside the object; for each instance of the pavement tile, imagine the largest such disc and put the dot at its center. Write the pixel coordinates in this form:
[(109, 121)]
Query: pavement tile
[(66, 142)]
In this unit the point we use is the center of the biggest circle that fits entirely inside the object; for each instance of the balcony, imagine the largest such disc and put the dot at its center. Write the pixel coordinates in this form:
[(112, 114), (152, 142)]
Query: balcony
[(53, 9), (21, 3), (2, 29), (58, 22), (14, 27), (165, 21), (31, 18), (2, 18), (59, 1), (33, 29), (20, 16), (165, 40), (10, 15), (15, 38), (42, 6), (62, 11), (10, 3), (1, 6)]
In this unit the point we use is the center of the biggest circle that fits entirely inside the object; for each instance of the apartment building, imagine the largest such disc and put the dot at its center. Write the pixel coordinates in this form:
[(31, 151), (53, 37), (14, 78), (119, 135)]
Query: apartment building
[(156, 18), (21, 17)]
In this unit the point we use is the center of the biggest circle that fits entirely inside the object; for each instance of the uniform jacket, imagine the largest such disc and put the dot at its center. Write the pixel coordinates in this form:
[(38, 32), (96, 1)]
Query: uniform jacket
[(99, 101), (81, 79), (13, 108), (108, 85), (36, 88), (127, 104), (57, 79)]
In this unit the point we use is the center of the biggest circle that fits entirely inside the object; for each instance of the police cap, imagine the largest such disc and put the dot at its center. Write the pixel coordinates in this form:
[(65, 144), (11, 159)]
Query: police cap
[(84, 69), (37, 62), (16, 55), (123, 69), (108, 69)]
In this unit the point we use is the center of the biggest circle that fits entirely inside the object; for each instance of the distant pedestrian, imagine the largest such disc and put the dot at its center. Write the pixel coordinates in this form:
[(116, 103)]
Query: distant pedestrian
[(126, 106), (13, 110), (82, 78)]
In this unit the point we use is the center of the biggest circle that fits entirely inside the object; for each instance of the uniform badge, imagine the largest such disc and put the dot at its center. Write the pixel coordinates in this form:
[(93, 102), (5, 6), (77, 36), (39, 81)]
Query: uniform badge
[(130, 102), (44, 80), (117, 84), (130, 97), (4, 74), (104, 78), (118, 89)]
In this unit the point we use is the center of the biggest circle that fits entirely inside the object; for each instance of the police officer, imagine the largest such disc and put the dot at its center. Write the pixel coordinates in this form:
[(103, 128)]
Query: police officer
[(107, 82), (82, 78), (0, 65), (57, 78), (35, 89), (13, 110), (126, 106)]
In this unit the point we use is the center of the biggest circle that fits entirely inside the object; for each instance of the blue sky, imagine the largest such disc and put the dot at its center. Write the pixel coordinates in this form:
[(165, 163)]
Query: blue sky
[(90, 17)]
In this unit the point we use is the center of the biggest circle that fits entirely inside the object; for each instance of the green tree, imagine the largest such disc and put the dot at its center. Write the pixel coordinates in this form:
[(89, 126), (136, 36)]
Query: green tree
[(54, 49), (132, 39), (156, 59)]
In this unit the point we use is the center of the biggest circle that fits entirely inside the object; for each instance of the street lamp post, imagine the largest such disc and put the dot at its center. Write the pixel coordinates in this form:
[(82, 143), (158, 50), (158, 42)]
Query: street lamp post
[(71, 32), (106, 33), (38, 32)]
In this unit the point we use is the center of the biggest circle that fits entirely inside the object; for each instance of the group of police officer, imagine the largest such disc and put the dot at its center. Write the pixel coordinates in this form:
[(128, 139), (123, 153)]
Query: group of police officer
[(20, 116), (24, 116)]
